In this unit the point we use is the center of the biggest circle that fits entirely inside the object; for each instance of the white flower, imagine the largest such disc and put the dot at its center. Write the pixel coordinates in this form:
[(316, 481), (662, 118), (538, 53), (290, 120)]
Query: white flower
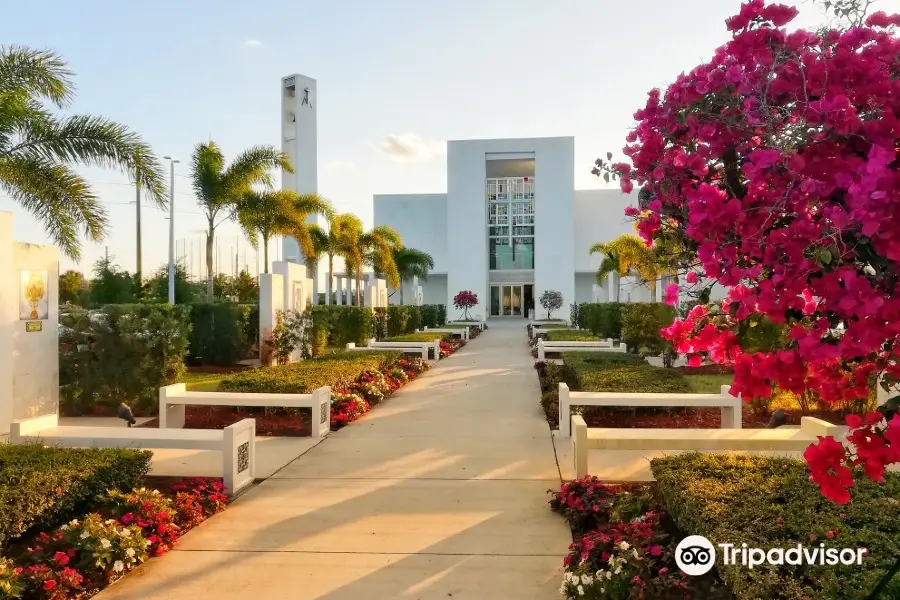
[(618, 570), (105, 543), (635, 553), (130, 553), (609, 574), (624, 545), (580, 591), (85, 535), (125, 533), (73, 522), (586, 579), (118, 566)]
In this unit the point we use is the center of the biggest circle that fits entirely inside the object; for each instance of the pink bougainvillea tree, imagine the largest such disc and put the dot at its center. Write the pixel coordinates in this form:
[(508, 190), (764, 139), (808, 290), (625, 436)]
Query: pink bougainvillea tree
[(465, 300), (774, 165)]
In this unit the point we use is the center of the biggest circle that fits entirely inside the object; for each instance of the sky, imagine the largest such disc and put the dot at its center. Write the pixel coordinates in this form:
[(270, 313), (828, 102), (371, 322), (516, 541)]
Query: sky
[(396, 79)]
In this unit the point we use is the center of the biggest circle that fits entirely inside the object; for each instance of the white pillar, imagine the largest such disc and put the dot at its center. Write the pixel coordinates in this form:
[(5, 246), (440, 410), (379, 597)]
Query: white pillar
[(339, 291)]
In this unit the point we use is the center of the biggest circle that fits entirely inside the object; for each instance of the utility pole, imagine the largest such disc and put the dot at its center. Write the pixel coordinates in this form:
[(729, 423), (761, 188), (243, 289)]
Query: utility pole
[(172, 162), (137, 204)]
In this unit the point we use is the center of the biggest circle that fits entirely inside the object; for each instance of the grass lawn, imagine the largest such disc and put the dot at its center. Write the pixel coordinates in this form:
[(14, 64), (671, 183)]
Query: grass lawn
[(202, 382), (708, 384)]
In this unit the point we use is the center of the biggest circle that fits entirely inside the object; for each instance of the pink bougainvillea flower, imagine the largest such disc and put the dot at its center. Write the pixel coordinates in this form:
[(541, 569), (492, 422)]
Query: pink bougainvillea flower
[(671, 294)]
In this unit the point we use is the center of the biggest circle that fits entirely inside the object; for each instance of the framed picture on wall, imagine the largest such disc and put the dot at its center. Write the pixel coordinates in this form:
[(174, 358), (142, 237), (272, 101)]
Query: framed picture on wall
[(34, 295), (297, 302)]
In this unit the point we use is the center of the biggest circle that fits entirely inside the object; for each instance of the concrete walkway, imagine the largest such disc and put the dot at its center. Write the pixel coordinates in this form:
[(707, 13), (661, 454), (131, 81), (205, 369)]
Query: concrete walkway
[(439, 493)]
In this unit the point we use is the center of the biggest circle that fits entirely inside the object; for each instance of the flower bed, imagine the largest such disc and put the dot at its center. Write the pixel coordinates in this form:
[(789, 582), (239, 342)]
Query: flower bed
[(41, 486), (624, 544), (121, 531), (358, 381)]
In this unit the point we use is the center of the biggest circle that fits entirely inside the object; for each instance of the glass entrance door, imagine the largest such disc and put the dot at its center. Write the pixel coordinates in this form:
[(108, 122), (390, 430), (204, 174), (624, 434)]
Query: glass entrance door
[(507, 300)]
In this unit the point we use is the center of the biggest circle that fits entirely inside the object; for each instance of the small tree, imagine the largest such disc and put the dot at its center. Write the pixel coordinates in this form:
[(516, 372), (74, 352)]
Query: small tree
[(465, 300), (551, 300), (72, 288)]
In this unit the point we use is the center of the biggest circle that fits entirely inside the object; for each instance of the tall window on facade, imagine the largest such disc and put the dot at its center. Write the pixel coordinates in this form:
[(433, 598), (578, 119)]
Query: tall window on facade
[(510, 203)]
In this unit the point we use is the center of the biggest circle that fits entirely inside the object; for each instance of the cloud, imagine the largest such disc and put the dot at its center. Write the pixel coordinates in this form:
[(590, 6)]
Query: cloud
[(340, 165), (251, 43), (410, 148)]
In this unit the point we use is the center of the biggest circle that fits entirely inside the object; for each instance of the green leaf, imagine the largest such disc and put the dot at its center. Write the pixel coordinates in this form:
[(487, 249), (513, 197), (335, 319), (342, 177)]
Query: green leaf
[(606, 177)]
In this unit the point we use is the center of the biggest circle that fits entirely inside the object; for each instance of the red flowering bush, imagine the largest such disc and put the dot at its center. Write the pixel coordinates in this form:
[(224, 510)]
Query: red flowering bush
[(773, 168), (346, 407), (198, 499), (588, 503), (465, 300), (150, 510)]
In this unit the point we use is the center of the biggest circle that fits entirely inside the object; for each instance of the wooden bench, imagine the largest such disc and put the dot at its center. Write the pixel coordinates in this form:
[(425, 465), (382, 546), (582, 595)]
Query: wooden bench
[(543, 347), (781, 439), (729, 405), (174, 398), (462, 332), (237, 442)]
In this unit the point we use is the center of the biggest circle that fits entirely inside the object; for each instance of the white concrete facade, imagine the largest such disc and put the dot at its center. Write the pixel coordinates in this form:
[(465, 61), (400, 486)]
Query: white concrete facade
[(550, 227)]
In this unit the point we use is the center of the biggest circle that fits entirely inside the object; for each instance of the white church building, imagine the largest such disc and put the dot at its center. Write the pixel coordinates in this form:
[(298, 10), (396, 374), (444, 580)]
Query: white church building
[(510, 225)]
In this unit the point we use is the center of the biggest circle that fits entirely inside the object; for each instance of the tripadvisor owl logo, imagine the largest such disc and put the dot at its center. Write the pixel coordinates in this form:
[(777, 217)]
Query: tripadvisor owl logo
[(696, 555)]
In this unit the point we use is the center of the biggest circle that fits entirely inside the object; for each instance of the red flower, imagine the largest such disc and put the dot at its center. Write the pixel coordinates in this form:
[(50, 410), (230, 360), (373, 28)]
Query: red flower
[(61, 559), (49, 584), (827, 468)]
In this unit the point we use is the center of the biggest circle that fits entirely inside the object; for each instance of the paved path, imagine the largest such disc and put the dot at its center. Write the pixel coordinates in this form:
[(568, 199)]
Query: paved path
[(439, 493)]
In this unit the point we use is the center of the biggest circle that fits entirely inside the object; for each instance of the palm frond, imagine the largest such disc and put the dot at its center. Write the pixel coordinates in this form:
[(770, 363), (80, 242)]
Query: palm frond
[(94, 141), (252, 167), (413, 263), (207, 165), (40, 73), (57, 197)]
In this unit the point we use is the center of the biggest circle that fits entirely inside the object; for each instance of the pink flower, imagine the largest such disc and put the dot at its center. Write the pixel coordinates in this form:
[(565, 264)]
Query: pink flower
[(671, 295), (691, 277)]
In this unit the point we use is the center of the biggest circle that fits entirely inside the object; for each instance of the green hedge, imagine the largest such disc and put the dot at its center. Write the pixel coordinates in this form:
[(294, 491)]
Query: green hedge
[(433, 315), (570, 335), (418, 337), (335, 370), (41, 487), (620, 372), (602, 319), (222, 333), (123, 352), (770, 503), (642, 322)]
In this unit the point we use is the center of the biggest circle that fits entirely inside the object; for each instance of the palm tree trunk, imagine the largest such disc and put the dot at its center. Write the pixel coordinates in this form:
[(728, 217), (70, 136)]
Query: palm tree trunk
[(358, 283), (265, 253), (401, 292), (330, 279), (209, 262), (653, 290)]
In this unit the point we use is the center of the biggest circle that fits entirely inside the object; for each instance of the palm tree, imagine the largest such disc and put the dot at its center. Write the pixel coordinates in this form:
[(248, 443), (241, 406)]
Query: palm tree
[(38, 149), (631, 254), (283, 212), (374, 248), (330, 243), (412, 263), (219, 189), (609, 265)]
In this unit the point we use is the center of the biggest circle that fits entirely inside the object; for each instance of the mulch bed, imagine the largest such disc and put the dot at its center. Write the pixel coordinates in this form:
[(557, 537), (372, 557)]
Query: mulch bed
[(273, 422), (694, 418)]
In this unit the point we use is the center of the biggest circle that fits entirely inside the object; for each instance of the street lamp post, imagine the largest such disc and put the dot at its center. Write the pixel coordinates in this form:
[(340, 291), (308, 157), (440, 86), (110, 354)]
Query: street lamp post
[(172, 162)]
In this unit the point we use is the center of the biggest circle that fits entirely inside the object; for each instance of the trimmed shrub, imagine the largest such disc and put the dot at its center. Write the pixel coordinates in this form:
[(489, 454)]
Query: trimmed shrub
[(642, 322), (642, 379), (441, 315), (433, 315), (221, 333), (397, 320), (351, 324), (602, 319), (423, 336), (570, 335), (41, 487), (770, 503), (123, 352), (415, 318), (338, 369)]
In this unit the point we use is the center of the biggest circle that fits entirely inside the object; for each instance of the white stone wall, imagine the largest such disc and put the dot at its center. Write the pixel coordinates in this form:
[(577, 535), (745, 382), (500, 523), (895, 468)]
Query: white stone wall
[(29, 344)]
